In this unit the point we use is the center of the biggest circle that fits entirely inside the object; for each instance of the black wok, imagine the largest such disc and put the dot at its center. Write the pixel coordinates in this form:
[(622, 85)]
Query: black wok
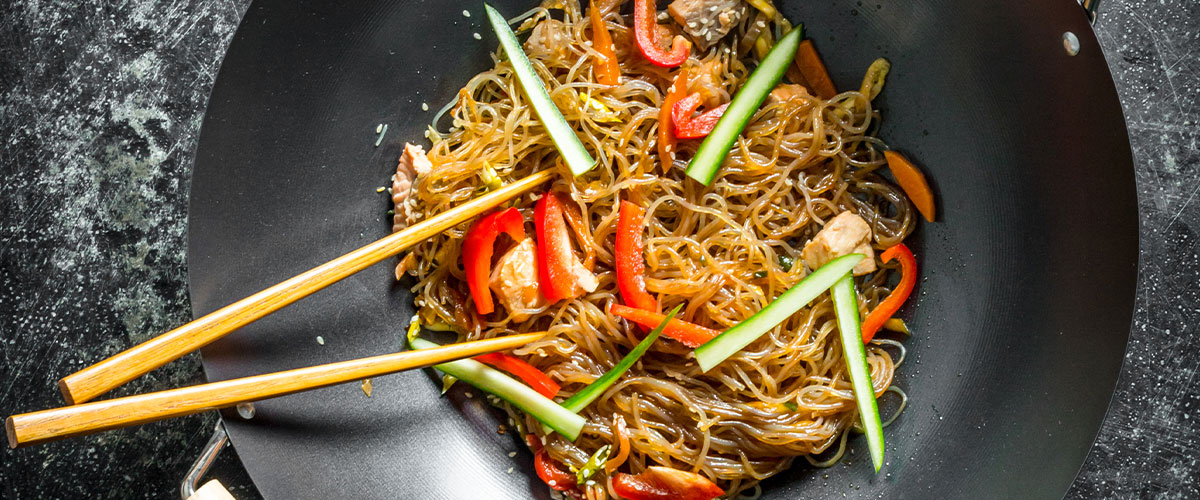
[(1021, 320)]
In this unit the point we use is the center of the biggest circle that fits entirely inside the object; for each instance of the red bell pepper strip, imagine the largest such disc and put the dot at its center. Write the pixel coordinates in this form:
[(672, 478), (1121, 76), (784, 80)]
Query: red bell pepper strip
[(533, 377), (665, 483), (550, 471), (690, 334), (631, 267), (687, 127), (608, 69), (645, 33), (892, 303), (561, 275), (477, 252), (666, 130)]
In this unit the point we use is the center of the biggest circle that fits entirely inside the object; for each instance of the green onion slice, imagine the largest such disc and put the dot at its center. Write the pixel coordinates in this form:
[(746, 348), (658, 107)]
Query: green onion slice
[(561, 133), (520, 395), (585, 397), (746, 102), (728, 343), (845, 305)]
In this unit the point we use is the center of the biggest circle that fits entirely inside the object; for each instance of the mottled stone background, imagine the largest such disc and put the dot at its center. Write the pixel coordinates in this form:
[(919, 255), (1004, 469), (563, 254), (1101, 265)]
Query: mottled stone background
[(99, 114)]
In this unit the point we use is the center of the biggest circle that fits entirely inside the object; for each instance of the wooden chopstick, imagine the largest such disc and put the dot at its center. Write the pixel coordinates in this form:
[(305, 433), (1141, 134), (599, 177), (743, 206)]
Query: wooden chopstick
[(102, 377), (69, 421)]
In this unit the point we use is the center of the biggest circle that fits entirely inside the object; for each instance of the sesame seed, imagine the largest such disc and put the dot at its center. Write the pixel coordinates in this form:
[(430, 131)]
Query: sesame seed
[(714, 8), (424, 106), (477, 36), (692, 24), (379, 128), (320, 340), (466, 13), (512, 454), (468, 395), (511, 469)]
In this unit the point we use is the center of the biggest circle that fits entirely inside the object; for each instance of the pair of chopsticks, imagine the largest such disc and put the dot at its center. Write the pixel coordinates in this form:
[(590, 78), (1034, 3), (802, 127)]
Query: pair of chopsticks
[(95, 380)]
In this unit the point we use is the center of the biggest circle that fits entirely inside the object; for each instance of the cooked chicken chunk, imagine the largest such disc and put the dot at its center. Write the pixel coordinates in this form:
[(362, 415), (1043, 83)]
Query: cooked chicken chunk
[(845, 234), (706, 21), (413, 162), (515, 280), (787, 92), (549, 39)]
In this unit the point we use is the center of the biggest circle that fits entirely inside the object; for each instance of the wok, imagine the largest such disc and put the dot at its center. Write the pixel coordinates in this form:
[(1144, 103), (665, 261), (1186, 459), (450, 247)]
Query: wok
[(1021, 318)]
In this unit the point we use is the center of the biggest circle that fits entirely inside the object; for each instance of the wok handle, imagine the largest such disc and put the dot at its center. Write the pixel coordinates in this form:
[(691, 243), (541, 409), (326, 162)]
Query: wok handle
[(212, 490)]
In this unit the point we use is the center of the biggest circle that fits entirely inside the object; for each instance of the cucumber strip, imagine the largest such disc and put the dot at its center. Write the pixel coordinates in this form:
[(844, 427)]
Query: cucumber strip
[(568, 144), (746, 102), (713, 352), (845, 305), (520, 395)]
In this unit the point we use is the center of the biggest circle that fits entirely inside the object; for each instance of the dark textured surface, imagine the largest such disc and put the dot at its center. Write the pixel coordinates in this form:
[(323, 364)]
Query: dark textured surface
[(98, 121)]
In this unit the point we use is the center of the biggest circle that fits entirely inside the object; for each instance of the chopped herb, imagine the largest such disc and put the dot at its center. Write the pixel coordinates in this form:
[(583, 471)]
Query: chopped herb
[(382, 132), (786, 262), (791, 406), (585, 473), (448, 381), (760, 274)]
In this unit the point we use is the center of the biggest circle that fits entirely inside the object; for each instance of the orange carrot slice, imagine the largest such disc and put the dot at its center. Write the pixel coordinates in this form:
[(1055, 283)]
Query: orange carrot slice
[(912, 181)]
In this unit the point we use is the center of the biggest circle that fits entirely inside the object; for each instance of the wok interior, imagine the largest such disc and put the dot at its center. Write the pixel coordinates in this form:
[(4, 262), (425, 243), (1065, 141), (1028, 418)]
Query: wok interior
[(1019, 326)]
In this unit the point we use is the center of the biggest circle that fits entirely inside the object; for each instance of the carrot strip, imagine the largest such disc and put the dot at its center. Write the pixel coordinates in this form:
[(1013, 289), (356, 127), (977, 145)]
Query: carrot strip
[(913, 182), (814, 71), (608, 71), (666, 132), (690, 334)]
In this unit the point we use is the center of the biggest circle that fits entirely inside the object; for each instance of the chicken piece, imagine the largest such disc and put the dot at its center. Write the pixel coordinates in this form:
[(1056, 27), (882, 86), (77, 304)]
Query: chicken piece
[(787, 92), (707, 21), (548, 40), (413, 163), (707, 80), (845, 234), (515, 280)]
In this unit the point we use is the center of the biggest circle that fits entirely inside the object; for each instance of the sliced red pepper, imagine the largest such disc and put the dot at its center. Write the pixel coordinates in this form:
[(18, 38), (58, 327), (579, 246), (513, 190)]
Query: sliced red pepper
[(550, 471), (645, 33), (515, 366), (631, 266), (666, 131), (561, 275), (687, 127), (477, 252), (665, 483), (892, 303), (608, 69), (690, 334)]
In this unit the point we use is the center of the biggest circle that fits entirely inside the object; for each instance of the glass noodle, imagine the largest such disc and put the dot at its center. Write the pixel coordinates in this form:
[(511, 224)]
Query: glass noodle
[(797, 164)]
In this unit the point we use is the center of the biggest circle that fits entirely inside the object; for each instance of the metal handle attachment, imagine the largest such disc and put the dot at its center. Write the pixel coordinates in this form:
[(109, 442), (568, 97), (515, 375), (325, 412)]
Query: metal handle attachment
[(218, 442), (1090, 6)]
